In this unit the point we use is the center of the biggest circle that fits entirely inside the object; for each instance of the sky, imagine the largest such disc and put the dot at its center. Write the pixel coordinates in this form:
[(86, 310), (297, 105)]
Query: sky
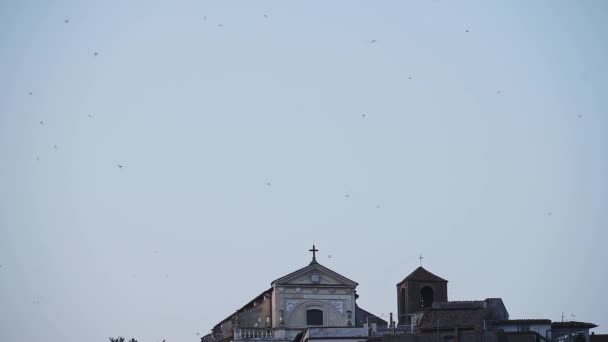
[(161, 162)]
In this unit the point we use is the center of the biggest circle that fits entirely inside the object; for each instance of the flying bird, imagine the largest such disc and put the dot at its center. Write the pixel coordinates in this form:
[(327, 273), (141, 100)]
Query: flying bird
[(36, 156), (372, 41), (550, 213), (266, 16), (409, 78), (204, 18), (467, 31), (55, 147), (42, 123), (267, 183), (580, 116), (220, 25), (347, 196), (95, 53), (30, 93), (90, 116), (499, 92), (363, 115), (119, 166)]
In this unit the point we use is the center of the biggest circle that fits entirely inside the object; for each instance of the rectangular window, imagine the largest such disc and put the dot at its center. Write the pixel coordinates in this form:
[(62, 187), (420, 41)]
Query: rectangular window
[(314, 317)]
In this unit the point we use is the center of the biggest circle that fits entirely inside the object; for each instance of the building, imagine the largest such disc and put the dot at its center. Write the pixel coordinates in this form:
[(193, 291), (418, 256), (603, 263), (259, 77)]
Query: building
[(317, 304), (311, 297)]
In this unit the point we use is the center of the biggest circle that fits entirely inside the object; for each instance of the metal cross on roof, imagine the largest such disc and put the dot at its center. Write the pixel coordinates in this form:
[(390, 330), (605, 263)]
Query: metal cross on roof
[(420, 257), (314, 252)]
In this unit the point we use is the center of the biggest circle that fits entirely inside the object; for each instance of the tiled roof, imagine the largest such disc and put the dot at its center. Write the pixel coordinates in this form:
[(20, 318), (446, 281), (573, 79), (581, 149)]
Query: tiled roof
[(363, 315), (448, 319), (420, 274), (572, 325), (463, 314), (522, 321)]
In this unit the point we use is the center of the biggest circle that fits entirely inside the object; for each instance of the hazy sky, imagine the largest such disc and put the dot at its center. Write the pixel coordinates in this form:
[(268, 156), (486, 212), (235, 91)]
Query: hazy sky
[(485, 150)]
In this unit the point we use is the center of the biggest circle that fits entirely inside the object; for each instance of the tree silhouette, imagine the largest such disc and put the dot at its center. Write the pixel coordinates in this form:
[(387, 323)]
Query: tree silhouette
[(118, 339)]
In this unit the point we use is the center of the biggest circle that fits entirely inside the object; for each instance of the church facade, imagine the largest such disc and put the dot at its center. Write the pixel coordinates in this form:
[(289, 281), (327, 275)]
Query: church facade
[(311, 297)]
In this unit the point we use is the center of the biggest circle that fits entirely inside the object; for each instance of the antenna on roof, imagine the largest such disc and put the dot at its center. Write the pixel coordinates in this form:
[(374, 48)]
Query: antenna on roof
[(420, 257)]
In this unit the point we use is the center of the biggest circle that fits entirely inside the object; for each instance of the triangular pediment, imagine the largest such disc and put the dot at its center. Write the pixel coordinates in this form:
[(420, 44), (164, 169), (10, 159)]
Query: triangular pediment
[(315, 274)]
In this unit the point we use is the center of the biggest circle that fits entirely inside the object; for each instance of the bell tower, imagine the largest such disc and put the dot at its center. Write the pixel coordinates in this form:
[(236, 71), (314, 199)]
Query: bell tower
[(419, 291)]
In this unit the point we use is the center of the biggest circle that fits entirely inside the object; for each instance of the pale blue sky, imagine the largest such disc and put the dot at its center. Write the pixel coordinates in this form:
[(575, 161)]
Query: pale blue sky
[(491, 160)]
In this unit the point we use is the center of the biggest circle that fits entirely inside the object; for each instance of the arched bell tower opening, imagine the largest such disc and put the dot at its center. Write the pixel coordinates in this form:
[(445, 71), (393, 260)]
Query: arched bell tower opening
[(419, 291), (426, 297)]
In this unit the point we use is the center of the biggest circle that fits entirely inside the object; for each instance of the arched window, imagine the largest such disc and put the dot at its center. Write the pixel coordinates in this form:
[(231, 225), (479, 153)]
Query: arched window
[(314, 317), (426, 296)]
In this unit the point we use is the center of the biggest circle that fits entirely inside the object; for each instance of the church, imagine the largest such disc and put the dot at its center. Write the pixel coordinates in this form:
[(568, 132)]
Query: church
[(317, 303)]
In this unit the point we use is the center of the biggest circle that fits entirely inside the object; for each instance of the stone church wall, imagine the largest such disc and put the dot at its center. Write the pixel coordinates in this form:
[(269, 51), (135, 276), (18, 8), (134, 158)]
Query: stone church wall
[(335, 304), (256, 317)]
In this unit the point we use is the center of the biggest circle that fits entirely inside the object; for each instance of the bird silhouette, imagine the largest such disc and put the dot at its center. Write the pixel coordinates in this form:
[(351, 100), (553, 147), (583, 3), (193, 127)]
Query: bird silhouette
[(55, 147), (30, 93), (119, 166), (580, 116), (372, 41), (42, 123), (36, 156), (347, 196), (66, 20), (95, 53), (220, 25), (266, 16), (409, 78), (467, 30), (267, 183), (550, 213), (363, 115), (204, 18)]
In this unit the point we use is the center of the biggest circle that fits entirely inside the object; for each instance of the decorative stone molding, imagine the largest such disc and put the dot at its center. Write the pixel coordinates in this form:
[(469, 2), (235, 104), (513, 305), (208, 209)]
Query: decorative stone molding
[(339, 305), (290, 305)]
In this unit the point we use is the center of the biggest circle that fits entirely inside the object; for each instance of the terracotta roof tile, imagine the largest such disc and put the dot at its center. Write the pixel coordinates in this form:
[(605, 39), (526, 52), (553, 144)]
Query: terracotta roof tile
[(420, 274)]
